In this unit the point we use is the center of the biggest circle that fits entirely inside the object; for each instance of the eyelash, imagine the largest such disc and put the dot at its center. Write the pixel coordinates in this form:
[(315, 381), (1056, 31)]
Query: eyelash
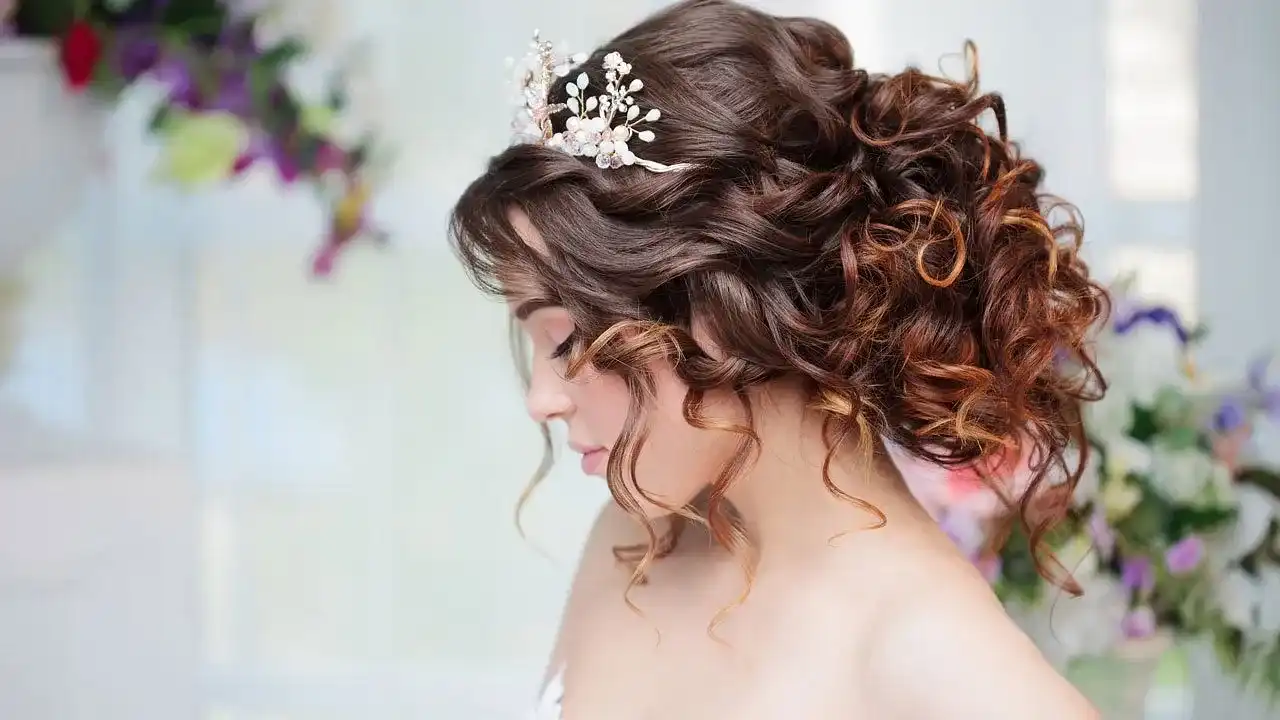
[(563, 348)]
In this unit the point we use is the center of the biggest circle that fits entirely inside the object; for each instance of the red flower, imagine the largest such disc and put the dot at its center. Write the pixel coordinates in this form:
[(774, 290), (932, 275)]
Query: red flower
[(81, 49)]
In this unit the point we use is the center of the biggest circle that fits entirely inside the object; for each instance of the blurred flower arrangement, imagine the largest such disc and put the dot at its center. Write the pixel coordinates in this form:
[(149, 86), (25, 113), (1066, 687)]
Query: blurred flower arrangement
[(1173, 530), (240, 86)]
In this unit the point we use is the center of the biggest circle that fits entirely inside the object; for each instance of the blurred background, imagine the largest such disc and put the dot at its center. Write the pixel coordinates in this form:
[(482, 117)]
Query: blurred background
[(232, 491)]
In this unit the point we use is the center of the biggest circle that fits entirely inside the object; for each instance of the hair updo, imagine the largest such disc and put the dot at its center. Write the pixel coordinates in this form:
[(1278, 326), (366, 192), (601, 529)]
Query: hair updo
[(863, 234)]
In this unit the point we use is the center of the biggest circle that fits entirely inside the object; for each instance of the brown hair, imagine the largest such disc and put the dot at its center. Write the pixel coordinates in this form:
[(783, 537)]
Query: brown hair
[(863, 234)]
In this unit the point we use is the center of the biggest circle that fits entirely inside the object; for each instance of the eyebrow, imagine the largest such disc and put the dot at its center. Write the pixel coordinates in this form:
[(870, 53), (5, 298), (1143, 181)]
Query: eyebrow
[(529, 307)]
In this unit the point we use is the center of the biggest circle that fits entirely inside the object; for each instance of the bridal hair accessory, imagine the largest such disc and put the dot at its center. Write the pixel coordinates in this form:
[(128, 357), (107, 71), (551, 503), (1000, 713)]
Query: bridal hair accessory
[(601, 126)]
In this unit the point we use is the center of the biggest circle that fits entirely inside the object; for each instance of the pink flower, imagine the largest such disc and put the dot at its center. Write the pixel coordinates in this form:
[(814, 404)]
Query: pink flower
[(1185, 555), (989, 565), (325, 258), (7, 9), (1139, 623), (1137, 574), (941, 489), (1228, 447)]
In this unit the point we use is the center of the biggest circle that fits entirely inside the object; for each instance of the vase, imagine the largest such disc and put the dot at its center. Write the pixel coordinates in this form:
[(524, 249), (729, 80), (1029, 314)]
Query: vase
[(51, 144), (1145, 679)]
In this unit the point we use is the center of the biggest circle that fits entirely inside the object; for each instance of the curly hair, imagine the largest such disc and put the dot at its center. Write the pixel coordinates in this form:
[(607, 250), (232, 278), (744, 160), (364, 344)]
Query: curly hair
[(861, 233)]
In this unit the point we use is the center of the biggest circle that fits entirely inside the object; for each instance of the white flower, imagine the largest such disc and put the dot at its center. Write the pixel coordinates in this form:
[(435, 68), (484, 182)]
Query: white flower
[(315, 22), (1065, 628), (1143, 361), (366, 110), (1184, 475), (613, 63), (1269, 608), (1126, 455), (1119, 498), (1109, 418), (1249, 603), (1079, 557), (311, 79), (1090, 482), (1255, 508)]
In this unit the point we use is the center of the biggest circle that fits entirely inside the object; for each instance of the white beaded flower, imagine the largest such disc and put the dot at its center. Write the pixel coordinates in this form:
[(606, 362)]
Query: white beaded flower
[(601, 127), (534, 76)]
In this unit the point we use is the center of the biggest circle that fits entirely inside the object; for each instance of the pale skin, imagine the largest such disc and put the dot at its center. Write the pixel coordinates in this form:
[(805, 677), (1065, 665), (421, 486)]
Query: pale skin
[(842, 621)]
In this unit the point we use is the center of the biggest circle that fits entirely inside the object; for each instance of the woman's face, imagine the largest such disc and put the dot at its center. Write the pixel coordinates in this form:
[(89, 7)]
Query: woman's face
[(677, 461)]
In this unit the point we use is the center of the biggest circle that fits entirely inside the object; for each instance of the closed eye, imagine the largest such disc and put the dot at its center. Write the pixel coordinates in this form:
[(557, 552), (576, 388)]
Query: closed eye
[(563, 348)]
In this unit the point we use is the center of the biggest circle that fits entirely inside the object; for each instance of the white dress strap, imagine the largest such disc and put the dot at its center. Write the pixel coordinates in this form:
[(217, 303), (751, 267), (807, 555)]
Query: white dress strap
[(552, 695)]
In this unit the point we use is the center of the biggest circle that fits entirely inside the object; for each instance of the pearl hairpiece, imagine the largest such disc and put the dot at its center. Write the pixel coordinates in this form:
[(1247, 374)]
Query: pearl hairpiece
[(601, 127)]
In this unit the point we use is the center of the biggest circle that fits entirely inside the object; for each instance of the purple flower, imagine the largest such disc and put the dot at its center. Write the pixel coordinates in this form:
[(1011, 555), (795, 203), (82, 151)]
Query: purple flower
[(233, 94), (1231, 415), (179, 82), (964, 530), (1185, 555), (136, 53), (1137, 574), (237, 40), (1101, 533), (1129, 318), (142, 12), (264, 147), (1269, 396), (990, 566), (1139, 623)]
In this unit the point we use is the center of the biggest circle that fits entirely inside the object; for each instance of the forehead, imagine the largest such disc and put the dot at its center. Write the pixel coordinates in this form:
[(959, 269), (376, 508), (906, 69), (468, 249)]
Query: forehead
[(519, 284), (527, 232)]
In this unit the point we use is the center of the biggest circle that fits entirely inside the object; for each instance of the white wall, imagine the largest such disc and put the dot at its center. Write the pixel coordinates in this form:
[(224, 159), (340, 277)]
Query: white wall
[(353, 449)]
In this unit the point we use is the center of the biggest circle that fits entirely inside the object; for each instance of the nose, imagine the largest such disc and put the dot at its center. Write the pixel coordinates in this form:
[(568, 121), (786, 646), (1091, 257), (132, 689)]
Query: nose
[(546, 399)]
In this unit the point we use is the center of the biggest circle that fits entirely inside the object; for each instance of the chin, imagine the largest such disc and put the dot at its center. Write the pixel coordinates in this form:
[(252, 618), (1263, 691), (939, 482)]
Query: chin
[(668, 503)]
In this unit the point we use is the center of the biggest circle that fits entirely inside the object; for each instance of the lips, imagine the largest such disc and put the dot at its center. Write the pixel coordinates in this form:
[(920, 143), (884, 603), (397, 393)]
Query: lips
[(594, 459)]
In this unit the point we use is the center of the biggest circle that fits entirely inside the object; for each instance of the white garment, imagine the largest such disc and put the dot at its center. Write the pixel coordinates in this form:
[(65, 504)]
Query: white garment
[(549, 705)]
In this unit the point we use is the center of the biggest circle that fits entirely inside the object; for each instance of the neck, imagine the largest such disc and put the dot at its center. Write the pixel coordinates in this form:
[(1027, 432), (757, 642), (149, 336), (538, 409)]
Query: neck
[(784, 500)]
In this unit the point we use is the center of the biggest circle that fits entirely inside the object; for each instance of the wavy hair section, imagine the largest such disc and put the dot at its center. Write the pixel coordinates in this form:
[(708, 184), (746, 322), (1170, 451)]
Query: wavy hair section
[(876, 239)]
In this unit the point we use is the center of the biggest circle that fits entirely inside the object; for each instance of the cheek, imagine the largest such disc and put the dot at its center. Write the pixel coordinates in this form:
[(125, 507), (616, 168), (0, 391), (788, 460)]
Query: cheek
[(679, 460), (601, 403)]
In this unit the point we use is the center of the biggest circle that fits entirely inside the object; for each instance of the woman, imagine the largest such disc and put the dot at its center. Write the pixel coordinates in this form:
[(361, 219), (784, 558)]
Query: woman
[(746, 269)]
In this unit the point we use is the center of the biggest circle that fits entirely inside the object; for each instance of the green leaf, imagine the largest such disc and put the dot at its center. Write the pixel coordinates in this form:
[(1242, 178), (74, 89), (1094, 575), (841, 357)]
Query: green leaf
[(308, 148), (1180, 438), (106, 83), (1265, 478), (1145, 424), (1198, 333), (337, 98), (1172, 407), (159, 118), (261, 80), (1144, 527), (359, 155), (282, 54), (44, 18), (1184, 521)]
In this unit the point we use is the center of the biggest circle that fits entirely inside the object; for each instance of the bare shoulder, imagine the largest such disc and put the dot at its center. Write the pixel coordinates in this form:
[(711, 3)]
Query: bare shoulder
[(950, 650), (597, 565), (598, 573)]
